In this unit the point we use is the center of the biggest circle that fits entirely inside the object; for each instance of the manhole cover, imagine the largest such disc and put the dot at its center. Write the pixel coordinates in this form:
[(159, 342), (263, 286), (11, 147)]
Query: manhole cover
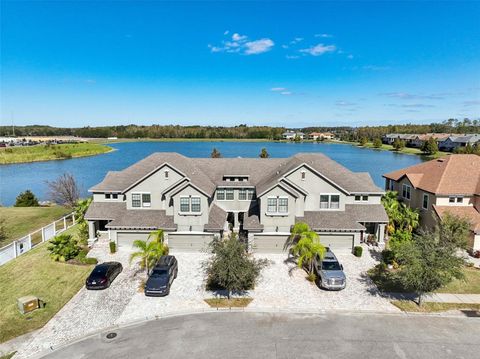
[(111, 335)]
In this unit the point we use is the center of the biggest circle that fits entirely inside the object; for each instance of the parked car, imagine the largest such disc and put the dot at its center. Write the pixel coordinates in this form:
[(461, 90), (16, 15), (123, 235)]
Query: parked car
[(161, 277), (103, 275), (330, 272)]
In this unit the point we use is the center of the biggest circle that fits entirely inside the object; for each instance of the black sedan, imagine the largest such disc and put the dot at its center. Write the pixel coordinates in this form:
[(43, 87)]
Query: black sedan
[(103, 275), (161, 277)]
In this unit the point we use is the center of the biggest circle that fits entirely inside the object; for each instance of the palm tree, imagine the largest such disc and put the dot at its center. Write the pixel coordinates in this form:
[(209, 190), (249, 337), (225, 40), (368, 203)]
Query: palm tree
[(391, 204), (157, 236), (306, 246), (148, 253), (410, 218)]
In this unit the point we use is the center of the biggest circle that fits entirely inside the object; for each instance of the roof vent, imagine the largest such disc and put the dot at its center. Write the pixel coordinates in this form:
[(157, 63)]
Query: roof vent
[(440, 160)]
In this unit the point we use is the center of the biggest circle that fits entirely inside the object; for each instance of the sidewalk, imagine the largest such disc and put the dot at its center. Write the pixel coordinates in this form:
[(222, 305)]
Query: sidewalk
[(438, 297)]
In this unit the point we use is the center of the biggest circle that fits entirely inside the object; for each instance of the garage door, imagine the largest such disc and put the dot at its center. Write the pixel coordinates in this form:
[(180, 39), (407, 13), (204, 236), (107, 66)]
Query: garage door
[(125, 239), (339, 243), (269, 244), (188, 242)]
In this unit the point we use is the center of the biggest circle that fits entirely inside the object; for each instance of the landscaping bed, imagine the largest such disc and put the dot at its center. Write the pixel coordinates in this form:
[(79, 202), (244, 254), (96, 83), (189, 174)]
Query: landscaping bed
[(228, 303), (35, 273), (430, 307)]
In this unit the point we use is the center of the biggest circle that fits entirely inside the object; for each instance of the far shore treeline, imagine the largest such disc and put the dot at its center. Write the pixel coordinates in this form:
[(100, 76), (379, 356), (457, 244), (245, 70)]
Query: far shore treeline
[(241, 131)]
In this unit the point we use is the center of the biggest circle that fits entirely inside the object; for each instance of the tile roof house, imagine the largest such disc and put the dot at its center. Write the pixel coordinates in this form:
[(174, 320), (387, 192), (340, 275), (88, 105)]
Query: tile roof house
[(320, 135), (450, 184), (194, 199)]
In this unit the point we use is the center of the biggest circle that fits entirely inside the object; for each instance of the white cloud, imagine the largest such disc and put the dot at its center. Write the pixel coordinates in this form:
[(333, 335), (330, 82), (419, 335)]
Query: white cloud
[(292, 57), (238, 37), (410, 96), (319, 49), (226, 32), (350, 57), (258, 46), (285, 46), (471, 103), (325, 36), (276, 89), (286, 93)]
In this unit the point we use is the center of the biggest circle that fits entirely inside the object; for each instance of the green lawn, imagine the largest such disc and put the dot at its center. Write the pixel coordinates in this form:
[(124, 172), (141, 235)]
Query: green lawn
[(34, 273), (429, 307), (385, 281), (406, 150), (53, 152), (20, 221)]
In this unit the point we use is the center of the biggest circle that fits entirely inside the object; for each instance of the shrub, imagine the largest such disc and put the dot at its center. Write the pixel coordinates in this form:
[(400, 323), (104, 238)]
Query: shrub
[(26, 199), (63, 248), (113, 246), (388, 256), (311, 277), (377, 143), (90, 261), (357, 251)]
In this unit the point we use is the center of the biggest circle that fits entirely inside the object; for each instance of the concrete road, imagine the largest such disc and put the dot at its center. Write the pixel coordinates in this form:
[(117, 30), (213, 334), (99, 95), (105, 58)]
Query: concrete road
[(250, 335)]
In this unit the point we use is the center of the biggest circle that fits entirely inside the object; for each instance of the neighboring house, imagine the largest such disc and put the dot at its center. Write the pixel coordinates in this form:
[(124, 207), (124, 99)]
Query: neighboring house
[(419, 140), (452, 142), (291, 135), (193, 199), (389, 139), (450, 184), (320, 135)]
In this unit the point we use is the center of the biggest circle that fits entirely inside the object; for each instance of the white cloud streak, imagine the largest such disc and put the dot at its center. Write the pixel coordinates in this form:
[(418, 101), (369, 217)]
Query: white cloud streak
[(319, 49)]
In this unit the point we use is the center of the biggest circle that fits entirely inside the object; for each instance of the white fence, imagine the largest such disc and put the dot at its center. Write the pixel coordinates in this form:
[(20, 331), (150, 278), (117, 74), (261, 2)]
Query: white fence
[(24, 244)]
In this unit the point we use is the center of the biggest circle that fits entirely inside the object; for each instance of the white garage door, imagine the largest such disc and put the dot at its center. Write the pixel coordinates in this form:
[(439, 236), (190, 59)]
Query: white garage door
[(269, 244), (337, 242), (188, 242), (125, 239)]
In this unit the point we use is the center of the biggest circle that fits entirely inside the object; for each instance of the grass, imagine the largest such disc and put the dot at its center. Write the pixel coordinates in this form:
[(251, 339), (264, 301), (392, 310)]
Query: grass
[(385, 281), (34, 273), (8, 356), (405, 150), (430, 307), (469, 285), (50, 152), (228, 303), (20, 221)]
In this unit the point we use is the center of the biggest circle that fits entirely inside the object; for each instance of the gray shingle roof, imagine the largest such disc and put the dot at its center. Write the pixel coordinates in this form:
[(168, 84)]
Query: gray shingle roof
[(216, 219), (121, 217), (251, 221), (348, 220), (207, 173)]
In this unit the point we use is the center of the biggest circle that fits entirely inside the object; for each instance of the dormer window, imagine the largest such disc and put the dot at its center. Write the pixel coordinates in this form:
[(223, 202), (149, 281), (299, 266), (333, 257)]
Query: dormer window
[(303, 174), (166, 174)]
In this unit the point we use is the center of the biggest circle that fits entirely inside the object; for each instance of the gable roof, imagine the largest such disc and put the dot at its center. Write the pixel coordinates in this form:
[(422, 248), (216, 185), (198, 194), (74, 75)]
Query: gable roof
[(454, 174), (468, 212), (208, 173)]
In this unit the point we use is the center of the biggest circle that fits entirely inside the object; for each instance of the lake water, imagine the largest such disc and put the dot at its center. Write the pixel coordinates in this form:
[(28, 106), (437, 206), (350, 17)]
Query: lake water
[(91, 170)]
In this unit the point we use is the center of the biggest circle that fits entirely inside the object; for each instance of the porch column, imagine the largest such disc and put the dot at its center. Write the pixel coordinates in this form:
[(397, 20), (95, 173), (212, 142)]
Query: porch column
[(91, 230), (236, 225), (381, 232)]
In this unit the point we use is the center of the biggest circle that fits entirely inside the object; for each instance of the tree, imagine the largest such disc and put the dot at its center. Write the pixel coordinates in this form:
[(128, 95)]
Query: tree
[(148, 253), (80, 210), (391, 204), (63, 248), (215, 153), (3, 231), (264, 153), (64, 190), (377, 143), (305, 245), (230, 267), (157, 236), (26, 199), (363, 141), (398, 144), (430, 147), (430, 261), (409, 218)]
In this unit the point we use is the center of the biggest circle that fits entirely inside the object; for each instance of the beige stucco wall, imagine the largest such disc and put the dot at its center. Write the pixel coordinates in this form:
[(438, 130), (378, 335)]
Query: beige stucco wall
[(283, 222), (444, 201), (195, 221), (154, 185), (233, 206), (100, 197)]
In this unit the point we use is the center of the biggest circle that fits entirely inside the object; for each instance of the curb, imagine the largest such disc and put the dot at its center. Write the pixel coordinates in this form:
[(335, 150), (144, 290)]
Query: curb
[(264, 310)]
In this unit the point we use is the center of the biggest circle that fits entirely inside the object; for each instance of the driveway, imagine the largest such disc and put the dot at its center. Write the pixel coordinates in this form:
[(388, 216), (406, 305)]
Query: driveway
[(282, 286)]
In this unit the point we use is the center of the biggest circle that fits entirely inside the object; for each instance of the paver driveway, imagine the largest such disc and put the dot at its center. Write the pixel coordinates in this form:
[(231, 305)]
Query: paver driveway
[(278, 288)]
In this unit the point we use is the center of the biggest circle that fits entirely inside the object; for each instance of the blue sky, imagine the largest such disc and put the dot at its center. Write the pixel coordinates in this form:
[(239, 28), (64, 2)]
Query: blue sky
[(260, 63)]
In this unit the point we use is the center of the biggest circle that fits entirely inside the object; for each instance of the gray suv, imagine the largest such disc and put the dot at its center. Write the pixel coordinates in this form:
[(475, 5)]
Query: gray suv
[(330, 272)]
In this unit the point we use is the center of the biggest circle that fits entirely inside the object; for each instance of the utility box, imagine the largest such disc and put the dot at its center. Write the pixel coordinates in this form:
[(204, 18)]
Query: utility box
[(28, 304)]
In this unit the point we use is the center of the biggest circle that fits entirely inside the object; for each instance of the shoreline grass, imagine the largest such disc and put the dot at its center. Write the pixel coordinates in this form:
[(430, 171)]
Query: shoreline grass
[(20, 221), (26, 154), (431, 307), (35, 273)]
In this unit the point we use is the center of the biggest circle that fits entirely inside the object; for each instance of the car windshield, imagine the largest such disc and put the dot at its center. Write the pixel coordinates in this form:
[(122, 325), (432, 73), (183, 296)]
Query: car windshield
[(331, 266), (100, 270), (159, 272)]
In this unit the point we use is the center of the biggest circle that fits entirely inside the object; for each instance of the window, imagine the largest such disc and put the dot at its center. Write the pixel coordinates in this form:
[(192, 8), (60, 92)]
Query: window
[(114, 196), (242, 194), (335, 201), (136, 200), (329, 201), (166, 174), (184, 204), (406, 191), (304, 174), (459, 199), (107, 195), (425, 201), (283, 205), (250, 194), (195, 204), (190, 205), (324, 201), (391, 187), (358, 198), (146, 201), (365, 198), (272, 205), (220, 194), (451, 199), (229, 194)]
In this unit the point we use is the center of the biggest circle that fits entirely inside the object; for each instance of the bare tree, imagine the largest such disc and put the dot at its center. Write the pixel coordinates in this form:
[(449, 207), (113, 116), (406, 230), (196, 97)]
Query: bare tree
[(64, 190)]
